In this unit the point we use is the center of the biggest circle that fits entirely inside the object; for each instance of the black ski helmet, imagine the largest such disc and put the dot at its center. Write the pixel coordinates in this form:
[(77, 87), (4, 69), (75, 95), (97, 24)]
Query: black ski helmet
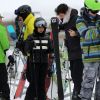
[(40, 22), (23, 11)]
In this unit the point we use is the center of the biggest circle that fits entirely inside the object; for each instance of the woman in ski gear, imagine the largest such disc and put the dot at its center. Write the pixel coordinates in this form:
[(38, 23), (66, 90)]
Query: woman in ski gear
[(67, 22), (4, 46), (88, 25), (38, 46), (28, 18), (25, 13)]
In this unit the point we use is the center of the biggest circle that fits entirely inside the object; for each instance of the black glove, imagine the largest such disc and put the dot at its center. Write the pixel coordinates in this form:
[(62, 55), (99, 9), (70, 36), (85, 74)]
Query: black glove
[(61, 27), (11, 61)]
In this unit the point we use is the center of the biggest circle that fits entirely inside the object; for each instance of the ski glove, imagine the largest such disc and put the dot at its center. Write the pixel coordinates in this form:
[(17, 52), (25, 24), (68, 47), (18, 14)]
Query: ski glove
[(11, 61)]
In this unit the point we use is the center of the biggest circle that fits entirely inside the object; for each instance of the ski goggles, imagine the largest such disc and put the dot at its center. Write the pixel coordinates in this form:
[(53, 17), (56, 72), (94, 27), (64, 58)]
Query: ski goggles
[(94, 12), (41, 24)]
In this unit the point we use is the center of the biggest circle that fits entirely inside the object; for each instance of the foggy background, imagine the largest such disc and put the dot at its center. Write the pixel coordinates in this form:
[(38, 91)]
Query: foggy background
[(45, 7)]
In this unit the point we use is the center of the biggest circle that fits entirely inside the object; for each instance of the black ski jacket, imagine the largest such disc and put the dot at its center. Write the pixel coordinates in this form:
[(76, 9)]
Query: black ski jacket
[(72, 43), (38, 47)]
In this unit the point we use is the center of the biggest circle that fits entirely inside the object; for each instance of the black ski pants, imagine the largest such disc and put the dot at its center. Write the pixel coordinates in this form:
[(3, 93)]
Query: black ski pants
[(4, 87), (36, 74), (76, 67)]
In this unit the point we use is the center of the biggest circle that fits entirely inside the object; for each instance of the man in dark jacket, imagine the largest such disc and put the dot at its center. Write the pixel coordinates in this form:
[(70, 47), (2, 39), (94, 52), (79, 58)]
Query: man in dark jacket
[(67, 19)]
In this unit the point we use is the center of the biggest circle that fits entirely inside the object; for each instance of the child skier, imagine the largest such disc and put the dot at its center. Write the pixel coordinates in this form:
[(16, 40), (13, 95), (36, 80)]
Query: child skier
[(38, 46)]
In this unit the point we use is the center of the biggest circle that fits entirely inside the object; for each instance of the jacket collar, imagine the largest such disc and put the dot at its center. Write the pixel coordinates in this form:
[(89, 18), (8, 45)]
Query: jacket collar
[(67, 16), (28, 18)]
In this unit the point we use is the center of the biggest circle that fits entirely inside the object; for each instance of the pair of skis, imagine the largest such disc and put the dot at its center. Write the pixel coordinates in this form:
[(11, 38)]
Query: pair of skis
[(55, 31), (20, 87)]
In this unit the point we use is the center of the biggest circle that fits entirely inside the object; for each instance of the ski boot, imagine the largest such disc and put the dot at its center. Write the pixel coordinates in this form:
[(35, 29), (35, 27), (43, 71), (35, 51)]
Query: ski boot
[(75, 95)]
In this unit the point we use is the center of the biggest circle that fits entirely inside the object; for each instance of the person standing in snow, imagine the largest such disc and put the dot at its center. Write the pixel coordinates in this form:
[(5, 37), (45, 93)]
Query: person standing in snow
[(67, 22), (4, 46), (88, 25), (38, 46)]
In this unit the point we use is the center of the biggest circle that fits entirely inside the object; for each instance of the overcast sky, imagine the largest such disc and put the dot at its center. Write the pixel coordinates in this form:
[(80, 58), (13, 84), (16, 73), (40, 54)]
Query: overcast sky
[(46, 7)]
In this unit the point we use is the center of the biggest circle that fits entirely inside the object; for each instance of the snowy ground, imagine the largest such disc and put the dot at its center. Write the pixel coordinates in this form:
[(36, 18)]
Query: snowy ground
[(14, 85)]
